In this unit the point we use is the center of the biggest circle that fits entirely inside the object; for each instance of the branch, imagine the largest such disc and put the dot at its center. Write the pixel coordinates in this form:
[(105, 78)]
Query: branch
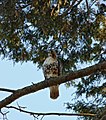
[(7, 90), (52, 81), (70, 7), (4, 115), (87, 6), (49, 114)]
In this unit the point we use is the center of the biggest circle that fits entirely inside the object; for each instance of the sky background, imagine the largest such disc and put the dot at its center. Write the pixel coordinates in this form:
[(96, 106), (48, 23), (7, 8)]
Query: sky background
[(21, 75)]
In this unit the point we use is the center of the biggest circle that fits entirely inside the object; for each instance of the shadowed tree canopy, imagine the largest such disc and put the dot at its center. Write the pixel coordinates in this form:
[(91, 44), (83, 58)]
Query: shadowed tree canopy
[(76, 29)]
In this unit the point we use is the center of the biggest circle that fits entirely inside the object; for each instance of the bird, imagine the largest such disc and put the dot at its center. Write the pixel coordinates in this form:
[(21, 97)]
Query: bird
[(52, 68)]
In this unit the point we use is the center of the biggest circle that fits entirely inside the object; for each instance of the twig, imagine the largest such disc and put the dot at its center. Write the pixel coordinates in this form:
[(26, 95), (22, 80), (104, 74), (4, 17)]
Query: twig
[(7, 90), (93, 3), (4, 114), (42, 117), (70, 7), (50, 114), (87, 6), (20, 107)]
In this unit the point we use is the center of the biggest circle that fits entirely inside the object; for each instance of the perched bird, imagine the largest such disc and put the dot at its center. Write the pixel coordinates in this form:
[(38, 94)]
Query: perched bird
[(52, 68)]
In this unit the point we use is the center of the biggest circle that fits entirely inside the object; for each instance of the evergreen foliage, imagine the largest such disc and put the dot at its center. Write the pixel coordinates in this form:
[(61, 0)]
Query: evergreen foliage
[(76, 29)]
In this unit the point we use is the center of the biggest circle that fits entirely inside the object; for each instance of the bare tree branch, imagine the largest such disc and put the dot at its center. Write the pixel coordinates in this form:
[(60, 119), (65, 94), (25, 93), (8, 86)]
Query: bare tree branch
[(51, 114), (87, 5), (4, 115), (52, 81), (7, 90)]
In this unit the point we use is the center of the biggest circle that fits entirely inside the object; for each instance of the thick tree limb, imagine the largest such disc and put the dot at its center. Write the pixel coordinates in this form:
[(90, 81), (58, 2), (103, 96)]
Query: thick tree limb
[(53, 81), (49, 114)]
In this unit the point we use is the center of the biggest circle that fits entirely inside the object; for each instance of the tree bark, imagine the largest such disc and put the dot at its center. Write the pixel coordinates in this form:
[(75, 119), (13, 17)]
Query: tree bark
[(52, 81)]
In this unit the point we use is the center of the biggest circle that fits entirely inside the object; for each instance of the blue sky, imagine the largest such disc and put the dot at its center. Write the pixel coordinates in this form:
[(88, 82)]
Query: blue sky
[(20, 75)]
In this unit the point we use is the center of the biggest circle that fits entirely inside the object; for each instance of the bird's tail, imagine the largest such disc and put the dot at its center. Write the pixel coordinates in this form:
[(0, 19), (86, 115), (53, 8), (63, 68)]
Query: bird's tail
[(54, 91)]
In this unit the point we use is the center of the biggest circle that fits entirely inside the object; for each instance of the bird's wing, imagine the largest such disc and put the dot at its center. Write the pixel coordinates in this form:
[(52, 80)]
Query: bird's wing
[(60, 68)]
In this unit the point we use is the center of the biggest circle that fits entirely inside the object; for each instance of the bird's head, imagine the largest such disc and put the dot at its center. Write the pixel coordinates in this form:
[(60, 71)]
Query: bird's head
[(52, 53)]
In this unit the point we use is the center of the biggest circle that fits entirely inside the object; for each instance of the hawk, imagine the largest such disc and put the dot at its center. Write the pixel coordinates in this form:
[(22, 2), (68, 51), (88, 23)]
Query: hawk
[(52, 68)]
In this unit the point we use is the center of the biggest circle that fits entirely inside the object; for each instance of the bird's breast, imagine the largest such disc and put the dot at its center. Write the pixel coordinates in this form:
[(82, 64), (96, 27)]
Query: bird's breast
[(50, 68)]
